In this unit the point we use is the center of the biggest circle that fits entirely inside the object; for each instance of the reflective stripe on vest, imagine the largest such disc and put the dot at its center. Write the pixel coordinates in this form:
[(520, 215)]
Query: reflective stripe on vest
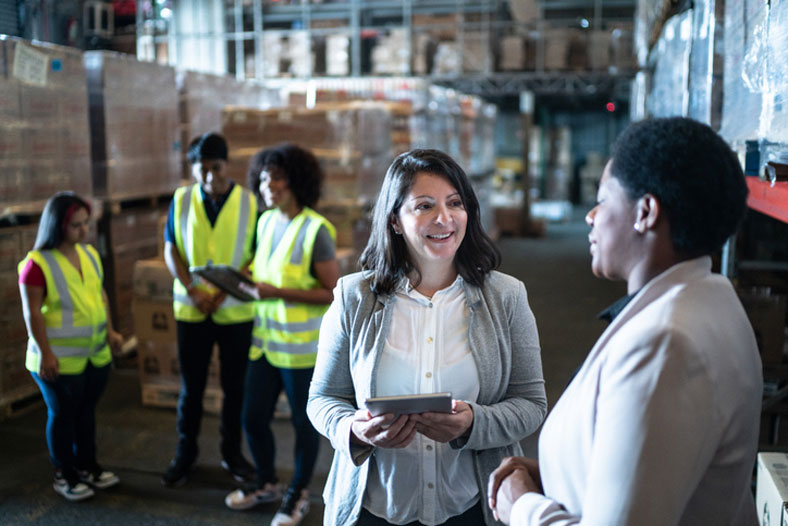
[(231, 309), (289, 348), (67, 330), (243, 219), (285, 331)]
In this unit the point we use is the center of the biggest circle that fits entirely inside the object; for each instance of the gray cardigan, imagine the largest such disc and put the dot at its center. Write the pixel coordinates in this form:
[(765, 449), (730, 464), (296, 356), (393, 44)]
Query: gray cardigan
[(504, 344)]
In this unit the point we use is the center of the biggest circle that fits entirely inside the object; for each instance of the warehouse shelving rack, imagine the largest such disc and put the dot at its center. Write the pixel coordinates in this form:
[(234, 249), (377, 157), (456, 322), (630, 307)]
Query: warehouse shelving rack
[(247, 20)]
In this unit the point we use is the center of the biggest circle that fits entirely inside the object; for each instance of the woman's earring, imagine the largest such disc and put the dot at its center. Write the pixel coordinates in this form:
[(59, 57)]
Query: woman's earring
[(638, 228)]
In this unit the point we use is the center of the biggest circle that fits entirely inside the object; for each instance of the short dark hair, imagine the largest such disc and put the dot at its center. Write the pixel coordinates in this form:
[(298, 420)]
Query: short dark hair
[(386, 254), (692, 172), (300, 166), (50, 229), (207, 146)]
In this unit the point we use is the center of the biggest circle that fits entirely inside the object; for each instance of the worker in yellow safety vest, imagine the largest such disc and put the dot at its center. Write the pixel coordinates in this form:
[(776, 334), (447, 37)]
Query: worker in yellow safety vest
[(295, 271), (210, 223), (69, 338)]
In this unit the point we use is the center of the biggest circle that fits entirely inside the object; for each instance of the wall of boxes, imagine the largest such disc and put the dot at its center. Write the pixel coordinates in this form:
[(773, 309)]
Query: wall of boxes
[(114, 130), (734, 80), (450, 44)]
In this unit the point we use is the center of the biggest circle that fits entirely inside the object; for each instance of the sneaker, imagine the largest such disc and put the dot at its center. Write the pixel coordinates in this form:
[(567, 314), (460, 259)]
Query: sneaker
[(99, 478), (295, 506), (73, 492), (238, 467), (177, 473), (243, 499)]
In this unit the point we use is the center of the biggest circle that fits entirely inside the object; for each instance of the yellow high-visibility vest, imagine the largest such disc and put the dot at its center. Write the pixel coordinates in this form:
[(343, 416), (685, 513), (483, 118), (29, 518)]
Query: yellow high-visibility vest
[(73, 309), (287, 332), (227, 242)]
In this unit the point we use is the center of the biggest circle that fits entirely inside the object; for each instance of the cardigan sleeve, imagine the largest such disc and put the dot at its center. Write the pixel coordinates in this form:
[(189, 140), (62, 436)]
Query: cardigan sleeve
[(332, 401), (522, 406)]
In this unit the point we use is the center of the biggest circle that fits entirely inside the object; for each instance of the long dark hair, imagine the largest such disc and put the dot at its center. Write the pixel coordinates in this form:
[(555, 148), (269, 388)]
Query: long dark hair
[(386, 255), (51, 228)]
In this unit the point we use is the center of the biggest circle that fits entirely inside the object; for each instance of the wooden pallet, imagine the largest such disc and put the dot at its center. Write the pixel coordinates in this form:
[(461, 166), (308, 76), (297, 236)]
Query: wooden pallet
[(166, 395), (20, 402), (119, 203)]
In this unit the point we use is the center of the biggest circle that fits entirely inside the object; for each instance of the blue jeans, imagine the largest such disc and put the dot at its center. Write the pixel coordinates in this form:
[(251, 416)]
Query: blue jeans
[(71, 418), (263, 384)]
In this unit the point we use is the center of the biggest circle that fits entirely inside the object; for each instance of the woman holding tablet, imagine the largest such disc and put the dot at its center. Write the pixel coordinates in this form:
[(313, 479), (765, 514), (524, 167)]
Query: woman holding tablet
[(427, 314)]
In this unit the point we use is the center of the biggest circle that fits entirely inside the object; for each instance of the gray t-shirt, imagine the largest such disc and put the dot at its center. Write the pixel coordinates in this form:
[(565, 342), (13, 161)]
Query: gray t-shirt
[(324, 244)]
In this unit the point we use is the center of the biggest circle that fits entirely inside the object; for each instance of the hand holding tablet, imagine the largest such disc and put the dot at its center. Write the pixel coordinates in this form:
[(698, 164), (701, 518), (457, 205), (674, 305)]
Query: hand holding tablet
[(409, 404)]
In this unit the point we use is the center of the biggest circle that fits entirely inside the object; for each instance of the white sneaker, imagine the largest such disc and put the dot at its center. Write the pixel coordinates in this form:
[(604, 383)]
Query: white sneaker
[(294, 508), (79, 491), (243, 499), (100, 478)]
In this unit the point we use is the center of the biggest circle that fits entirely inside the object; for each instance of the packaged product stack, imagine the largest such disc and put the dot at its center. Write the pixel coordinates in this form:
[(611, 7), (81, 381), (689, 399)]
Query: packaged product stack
[(203, 97), (132, 234), (476, 56), (351, 140), (511, 55), (669, 95), (134, 126), (44, 131), (299, 52), (338, 55), (15, 381), (390, 55), (599, 50), (157, 351)]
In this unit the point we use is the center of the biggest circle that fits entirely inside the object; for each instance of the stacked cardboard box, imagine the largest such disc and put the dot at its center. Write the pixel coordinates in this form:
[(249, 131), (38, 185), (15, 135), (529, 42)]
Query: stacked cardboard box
[(157, 351), (44, 133), (511, 53), (134, 126), (15, 381), (203, 97), (338, 55), (127, 236), (351, 140), (348, 138), (476, 52), (390, 55)]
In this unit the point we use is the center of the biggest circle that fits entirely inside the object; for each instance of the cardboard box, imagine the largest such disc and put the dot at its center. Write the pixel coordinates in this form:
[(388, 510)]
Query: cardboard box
[(766, 312), (154, 321), (10, 248), (771, 492), (15, 379), (152, 280), (158, 361)]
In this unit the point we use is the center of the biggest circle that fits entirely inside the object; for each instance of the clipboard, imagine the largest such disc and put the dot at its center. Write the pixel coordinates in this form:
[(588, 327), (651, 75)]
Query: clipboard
[(409, 404), (225, 278)]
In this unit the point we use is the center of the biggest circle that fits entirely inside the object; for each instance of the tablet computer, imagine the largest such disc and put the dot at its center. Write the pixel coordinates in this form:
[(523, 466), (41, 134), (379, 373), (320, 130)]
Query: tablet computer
[(225, 278), (409, 404)]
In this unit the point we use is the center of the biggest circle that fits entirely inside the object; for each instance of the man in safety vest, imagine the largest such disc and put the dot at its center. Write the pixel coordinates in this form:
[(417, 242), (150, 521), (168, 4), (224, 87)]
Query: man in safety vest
[(211, 222)]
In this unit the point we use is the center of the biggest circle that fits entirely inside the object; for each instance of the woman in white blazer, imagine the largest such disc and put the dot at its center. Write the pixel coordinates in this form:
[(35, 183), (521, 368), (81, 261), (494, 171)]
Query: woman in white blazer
[(660, 425)]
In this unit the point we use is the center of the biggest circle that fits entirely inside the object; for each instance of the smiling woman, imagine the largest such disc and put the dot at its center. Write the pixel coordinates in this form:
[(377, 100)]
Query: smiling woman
[(427, 314)]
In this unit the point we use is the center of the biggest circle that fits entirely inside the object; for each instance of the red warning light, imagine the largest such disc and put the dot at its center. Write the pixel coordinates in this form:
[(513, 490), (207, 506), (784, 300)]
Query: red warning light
[(611, 107)]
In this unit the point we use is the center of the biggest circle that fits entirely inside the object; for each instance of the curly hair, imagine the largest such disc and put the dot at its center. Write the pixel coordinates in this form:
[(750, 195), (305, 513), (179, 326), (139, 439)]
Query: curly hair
[(386, 254), (692, 172), (300, 166)]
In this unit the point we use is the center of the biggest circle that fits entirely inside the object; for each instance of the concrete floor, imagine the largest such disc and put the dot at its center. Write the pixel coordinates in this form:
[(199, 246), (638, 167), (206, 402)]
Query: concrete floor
[(137, 442)]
